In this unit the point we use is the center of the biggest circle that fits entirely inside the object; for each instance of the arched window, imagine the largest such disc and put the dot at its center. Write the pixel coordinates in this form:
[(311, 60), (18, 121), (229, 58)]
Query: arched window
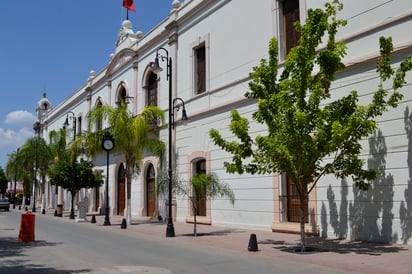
[(151, 98), (200, 163), (122, 95), (121, 190), (99, 122), (199, 168)]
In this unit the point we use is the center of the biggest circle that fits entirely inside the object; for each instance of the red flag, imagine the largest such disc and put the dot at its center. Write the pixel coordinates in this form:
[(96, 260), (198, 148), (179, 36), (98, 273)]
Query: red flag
[(128, 4)]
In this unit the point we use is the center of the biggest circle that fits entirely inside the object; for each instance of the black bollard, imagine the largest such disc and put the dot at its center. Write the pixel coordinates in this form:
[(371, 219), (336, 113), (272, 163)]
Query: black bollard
[(55, 213), (253, 246), (43, 211), (93, 219), (124, 225)]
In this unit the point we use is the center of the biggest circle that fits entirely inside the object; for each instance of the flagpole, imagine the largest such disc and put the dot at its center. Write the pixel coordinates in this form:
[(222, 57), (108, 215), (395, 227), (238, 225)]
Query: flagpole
[(127, 14)]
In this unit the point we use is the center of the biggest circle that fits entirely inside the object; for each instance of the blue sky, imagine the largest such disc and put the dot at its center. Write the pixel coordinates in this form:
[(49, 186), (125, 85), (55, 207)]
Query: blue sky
[(51, 46)]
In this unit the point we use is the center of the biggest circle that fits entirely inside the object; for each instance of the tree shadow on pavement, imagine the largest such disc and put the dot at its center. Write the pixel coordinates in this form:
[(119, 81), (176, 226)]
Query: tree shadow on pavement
[(222, 232), (11, 250), (10, 247), (357, 247), (316, 244)]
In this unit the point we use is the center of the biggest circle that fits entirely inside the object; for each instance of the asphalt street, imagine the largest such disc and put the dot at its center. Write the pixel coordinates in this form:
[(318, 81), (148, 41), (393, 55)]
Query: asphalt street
[(65, 246)]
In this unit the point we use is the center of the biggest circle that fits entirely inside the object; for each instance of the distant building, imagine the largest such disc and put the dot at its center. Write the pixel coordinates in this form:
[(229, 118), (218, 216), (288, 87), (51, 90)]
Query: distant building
[(214, 45)]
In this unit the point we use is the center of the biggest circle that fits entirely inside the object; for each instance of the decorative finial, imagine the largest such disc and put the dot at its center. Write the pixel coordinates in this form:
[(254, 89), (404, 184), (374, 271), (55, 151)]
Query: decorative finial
[(176, 4)]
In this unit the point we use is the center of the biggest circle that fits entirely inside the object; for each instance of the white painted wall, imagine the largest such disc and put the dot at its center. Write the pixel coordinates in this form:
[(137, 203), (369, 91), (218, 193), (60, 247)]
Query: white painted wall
[(238, 32)]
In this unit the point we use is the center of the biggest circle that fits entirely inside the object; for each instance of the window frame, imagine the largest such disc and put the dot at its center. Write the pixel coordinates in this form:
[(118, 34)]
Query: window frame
[(152, 89), (281, 29), (200, 43), (193, 159)]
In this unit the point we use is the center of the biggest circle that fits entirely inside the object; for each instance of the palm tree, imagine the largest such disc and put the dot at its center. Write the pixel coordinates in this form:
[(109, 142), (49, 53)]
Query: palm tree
[(202, 186), (58, 149), (133, 136), (57, 144), (14, 170), (36, 157)]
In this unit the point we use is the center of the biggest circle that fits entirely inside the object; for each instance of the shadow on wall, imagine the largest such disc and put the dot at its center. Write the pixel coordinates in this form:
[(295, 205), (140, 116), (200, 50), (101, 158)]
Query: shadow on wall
[(370, 213), (405, 210), (338, 221)]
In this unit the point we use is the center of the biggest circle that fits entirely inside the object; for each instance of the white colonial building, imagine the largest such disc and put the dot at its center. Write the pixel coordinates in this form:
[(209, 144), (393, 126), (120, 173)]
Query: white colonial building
[(213, 46)]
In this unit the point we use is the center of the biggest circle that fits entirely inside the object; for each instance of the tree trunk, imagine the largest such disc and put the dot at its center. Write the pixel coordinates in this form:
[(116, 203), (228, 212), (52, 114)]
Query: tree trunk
[(194, 219), (73, 192), (43, 192), (302, 222), (128, 197), (194, 226)]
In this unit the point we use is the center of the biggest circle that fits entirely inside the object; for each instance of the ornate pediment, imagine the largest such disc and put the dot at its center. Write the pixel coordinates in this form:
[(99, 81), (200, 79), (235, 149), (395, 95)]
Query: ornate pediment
[(120, 59)]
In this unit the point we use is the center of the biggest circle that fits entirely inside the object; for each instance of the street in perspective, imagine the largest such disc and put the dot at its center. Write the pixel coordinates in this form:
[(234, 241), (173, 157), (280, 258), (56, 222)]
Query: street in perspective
[(206, 136), (63, 245)]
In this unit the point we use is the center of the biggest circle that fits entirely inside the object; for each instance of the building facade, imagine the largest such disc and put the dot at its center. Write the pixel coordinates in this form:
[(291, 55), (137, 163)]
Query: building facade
[(213, 46)]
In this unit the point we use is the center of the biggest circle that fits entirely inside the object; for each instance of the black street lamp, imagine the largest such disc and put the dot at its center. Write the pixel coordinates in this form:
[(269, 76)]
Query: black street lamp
[(15, 178), (170, 230), (108, 145), (65, 125), (36, 127)]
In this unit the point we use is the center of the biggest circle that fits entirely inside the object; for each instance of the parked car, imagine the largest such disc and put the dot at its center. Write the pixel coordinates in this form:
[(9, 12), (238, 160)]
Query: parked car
[(4, 204)]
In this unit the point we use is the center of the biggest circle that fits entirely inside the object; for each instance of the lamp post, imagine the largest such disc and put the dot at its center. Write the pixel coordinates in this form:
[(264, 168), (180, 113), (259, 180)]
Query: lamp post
[(170, 230), (108, 145), (66, 124), (15, 178), (36, 127)]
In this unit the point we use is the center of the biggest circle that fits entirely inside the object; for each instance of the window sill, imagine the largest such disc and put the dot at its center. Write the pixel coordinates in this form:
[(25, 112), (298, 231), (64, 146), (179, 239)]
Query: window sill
[(204, 220), (288, 227)]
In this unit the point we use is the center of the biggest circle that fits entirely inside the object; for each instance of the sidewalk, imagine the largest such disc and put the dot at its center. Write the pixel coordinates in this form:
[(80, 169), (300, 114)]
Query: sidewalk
[(350, 256)]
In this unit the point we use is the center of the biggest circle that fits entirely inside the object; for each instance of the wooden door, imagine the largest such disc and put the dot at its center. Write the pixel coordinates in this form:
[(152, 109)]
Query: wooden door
[(121, 190), (150, 191), (293, 203)]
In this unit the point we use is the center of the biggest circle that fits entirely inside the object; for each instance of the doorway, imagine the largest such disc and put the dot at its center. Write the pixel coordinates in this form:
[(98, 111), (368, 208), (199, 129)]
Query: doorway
[(150, 191), (293, 203), (121, 190)]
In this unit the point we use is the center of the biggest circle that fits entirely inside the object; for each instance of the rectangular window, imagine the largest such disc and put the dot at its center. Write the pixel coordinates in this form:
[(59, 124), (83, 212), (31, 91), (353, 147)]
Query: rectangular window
[(200, 69), (202, 199), (290, 14), (151, 99), (79, 126)]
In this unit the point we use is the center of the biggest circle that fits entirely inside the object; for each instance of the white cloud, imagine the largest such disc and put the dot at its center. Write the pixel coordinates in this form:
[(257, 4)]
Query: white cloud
[(19, 129), (20, 118), (10, 140)]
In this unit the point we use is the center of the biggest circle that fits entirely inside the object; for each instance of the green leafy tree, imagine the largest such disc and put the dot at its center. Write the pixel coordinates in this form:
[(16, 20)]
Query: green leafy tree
[(58, 150), (202, 185), (308, 135), (35, 159), (14, 170), (3, 181), (75, 175), (133, 136)]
